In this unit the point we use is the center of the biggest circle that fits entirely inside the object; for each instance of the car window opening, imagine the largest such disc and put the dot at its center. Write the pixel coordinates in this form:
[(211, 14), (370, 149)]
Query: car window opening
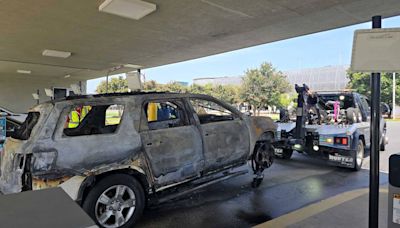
[(91, 120), (24, 131), (209, 111), (161, 115)]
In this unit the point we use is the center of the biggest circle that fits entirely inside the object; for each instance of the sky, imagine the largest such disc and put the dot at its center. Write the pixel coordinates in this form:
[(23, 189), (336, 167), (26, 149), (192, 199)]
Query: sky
[(327, 48)]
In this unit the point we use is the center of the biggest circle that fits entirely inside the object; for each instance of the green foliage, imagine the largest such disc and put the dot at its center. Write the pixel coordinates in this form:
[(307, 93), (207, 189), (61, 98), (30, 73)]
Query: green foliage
[(227, 93), (263, 86), (361, 83), (150, 86), (175, 87), (285, 100), (115, 85)]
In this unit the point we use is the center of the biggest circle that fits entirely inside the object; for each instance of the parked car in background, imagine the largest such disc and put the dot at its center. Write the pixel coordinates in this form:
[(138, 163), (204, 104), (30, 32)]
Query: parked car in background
[(386, 110), (130, 150)]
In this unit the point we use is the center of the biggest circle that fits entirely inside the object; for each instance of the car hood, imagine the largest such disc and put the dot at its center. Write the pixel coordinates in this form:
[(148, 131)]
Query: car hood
[(262, 124)]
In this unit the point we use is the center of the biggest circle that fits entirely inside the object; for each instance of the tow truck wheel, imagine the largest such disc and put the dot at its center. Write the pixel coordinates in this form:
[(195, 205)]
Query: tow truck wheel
[(382, 147), (115, 201), (359, 156), (286, 154)]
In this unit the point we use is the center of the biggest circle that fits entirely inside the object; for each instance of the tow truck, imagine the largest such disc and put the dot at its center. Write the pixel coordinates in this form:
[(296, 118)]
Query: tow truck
[(332, 125)]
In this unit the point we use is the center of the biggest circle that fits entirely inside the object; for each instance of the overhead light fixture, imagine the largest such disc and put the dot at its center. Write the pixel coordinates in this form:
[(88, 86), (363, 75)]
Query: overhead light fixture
[(132, 9), (35, 96), (24, 71), (67, 76), (49, 92), (132, 66), (57, 54)]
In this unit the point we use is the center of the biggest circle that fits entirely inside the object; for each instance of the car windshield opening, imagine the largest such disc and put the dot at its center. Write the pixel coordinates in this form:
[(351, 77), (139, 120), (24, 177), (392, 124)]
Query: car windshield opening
[(24, 131)]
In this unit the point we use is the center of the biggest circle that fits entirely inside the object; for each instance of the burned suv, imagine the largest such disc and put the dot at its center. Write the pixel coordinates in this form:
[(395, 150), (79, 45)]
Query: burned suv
[(115, 153)]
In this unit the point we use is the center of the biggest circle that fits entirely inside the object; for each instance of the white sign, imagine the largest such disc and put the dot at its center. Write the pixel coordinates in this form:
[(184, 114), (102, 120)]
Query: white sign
[(134, 81), (376, 50)]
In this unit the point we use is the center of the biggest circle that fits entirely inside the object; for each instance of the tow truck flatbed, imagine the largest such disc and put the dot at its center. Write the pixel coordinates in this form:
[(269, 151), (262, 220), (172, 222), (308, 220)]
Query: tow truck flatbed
[(341, 141)]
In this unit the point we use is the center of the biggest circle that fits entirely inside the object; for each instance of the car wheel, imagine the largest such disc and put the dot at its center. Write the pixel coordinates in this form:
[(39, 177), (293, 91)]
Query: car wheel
[(287, 154), (115, 201), (359, 156)]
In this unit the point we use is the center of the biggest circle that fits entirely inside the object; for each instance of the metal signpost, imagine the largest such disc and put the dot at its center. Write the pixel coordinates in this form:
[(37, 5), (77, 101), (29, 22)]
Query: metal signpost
[(375, 120), (2, 130), (376, 50), (393, 111)]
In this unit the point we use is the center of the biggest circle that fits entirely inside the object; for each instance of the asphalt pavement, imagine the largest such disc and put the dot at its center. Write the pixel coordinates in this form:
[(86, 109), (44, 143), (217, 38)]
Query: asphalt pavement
[(288, 186)]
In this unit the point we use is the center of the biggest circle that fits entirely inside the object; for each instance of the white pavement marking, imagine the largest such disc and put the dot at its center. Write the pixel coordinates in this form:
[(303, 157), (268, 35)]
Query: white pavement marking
[(314, 209)]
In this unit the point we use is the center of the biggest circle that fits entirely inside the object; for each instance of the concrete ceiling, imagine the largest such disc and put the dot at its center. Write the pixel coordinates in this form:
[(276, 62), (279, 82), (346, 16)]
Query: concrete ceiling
[(177, 31)]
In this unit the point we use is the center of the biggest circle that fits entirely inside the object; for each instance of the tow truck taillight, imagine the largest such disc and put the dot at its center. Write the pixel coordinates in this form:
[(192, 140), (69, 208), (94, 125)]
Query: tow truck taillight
[(341, 141)]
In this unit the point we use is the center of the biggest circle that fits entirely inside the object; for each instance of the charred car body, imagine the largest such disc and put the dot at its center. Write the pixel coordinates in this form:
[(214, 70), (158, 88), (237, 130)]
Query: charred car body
[(127, 150), (334, 126)]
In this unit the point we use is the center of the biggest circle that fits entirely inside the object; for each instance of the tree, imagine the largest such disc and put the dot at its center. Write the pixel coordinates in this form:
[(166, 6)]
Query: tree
[(263, 86), (115, 85), (151, 86), (175, 87), (286, 100), (361, 83), (227, 93)]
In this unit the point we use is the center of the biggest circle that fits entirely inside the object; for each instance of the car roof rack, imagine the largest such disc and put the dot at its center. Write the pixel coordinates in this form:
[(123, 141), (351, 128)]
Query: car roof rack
[(74, 97)]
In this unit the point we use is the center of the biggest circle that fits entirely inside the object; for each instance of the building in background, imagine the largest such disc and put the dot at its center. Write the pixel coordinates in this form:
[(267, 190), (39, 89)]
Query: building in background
[(181, 83), (227, 80), (320, 78)]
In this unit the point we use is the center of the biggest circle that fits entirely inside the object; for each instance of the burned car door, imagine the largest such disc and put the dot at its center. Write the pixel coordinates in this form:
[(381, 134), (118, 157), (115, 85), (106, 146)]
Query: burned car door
[(172, 143), (225, 135), (87, 137)]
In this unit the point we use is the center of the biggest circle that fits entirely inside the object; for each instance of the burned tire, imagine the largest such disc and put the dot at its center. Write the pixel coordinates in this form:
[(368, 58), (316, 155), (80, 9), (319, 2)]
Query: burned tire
[(286, 154), (262, 156), (359, 155), (115, 201)]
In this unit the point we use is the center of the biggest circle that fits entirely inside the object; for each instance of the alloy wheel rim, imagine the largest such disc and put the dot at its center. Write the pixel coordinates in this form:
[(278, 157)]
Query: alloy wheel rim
[(115, 206)]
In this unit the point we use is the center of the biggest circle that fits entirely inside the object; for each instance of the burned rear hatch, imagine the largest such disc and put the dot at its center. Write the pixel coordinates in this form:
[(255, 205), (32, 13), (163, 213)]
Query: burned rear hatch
[(15, 158)]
